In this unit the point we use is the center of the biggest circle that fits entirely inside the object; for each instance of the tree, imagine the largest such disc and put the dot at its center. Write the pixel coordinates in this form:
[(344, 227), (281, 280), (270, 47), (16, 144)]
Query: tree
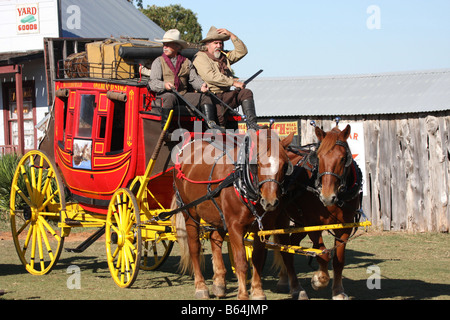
[(176, 17), (138, 3)]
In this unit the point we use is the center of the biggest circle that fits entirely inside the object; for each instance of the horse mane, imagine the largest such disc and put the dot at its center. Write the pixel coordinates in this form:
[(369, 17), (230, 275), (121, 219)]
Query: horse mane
[(329, 141)]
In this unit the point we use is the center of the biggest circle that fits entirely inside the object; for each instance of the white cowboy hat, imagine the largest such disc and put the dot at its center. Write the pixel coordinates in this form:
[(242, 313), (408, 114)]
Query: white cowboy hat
[(173, 35)]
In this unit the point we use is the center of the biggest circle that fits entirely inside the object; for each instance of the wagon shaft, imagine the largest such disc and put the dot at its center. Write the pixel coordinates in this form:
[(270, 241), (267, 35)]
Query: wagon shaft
[(315, 228)]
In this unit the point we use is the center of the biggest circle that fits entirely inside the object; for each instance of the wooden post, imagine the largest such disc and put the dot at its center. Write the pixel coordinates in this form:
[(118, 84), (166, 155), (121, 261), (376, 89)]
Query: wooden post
[(19, 109)]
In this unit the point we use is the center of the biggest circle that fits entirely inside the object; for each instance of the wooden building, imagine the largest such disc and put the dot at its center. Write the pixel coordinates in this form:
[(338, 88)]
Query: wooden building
[(405, 118), (25, 89)]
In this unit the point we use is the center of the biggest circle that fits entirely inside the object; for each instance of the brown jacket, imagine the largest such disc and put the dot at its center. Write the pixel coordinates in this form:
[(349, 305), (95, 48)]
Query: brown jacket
[(208, 69), (168, 75)]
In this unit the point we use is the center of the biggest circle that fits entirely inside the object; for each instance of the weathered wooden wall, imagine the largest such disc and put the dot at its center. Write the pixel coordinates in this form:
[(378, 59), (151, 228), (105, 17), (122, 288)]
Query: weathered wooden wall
[(407, 169)]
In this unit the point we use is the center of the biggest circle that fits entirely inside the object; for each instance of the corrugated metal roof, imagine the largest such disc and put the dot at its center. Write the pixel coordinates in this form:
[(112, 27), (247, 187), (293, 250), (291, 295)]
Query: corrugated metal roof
[(384, 93), (106, 18)]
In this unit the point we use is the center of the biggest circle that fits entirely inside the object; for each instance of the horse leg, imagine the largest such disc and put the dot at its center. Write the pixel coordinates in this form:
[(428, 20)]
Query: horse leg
[(320, 278), (219, 287), (338, 266), (237, 246), (283, 278), (258, 259), (201, 290), (288, 259), (288, 278)]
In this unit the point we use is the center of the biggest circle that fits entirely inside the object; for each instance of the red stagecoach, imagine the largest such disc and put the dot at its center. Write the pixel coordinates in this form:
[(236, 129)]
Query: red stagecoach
[(104, 163)]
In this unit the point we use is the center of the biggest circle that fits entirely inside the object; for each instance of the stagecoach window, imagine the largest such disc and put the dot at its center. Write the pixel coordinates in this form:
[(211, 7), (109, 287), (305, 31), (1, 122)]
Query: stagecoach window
[(65, 119), (101, 132), (118, 126), (86, 115)]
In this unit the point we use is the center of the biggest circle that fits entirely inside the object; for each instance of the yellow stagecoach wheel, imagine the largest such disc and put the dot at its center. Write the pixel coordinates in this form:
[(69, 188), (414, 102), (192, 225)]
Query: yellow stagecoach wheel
[(37, 200), (123, 238), (155, 253)]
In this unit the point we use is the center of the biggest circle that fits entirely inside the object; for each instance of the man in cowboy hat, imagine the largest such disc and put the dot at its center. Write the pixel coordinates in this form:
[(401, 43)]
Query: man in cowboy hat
[(173, 71), (213, 65)]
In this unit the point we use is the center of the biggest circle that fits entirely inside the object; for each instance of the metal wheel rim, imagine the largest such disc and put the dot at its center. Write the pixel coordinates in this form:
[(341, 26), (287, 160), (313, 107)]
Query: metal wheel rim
[(155, 253), (37, 239), (123, 238)]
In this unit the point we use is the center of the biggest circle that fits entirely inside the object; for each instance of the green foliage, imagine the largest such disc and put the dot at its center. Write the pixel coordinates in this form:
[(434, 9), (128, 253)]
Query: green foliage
[(8, 164), (176, 17), (138, 3)]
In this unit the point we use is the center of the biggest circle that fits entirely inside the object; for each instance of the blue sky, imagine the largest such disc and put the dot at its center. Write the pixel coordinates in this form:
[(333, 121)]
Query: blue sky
[(294, 38)]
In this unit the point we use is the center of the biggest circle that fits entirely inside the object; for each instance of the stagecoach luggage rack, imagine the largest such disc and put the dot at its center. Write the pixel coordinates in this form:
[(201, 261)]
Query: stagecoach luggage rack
[(105, 62), (78, 68)]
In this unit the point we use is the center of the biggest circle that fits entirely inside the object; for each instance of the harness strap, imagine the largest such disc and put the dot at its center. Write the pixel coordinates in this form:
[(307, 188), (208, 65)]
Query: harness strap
[(181, 175), (228, 181), (222, 217)]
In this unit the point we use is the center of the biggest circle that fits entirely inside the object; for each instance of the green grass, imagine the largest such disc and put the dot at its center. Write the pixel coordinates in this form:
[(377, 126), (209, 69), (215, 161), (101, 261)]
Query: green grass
[(412, 267)]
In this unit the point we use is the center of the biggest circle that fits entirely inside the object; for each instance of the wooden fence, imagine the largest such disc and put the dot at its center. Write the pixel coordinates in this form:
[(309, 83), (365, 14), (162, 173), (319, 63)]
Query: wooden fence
[(407, 169)]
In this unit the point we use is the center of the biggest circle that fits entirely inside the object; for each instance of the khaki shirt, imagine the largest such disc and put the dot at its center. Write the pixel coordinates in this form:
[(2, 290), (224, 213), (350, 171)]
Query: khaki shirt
[(209, 71)]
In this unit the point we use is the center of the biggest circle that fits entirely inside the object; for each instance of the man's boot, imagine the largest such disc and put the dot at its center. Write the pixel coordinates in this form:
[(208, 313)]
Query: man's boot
[(248, 107), (210, 112)]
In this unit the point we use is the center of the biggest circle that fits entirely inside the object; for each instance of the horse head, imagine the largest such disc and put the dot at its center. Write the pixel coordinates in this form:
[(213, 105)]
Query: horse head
[(333, 159), (272, 166)]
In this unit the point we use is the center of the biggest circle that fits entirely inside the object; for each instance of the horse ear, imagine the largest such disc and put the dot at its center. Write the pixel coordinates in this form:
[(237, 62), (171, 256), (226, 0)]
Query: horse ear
[(289, 169), (320, 133), (288, 140), (345, 133)]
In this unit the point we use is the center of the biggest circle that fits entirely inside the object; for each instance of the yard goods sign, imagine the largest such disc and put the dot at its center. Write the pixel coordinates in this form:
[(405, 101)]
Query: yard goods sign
[(27, 17)]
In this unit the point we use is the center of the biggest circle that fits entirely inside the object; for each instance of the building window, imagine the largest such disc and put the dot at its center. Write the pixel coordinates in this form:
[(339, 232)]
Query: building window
[(29, 114)]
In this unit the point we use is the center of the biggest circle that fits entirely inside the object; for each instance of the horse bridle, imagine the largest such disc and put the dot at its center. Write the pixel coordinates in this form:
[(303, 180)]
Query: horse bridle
[(248, 184), (288, 171), (341, 178)]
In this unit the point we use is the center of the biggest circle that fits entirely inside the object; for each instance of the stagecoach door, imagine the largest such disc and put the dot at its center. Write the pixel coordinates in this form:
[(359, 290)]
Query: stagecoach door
[(93, 126), (90, 136)]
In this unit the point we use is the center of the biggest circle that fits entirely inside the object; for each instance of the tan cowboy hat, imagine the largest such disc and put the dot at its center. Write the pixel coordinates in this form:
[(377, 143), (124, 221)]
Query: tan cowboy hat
[(173, 35), (214, 35)]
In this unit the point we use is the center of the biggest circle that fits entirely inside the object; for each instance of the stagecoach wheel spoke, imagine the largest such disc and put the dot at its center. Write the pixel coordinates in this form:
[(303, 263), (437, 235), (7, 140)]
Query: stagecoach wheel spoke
[(123, 238), (155, 253), (37, 200)]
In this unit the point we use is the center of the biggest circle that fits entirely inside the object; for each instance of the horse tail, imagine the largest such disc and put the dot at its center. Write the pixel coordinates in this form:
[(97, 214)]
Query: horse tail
[(178, 221), (185, 264)]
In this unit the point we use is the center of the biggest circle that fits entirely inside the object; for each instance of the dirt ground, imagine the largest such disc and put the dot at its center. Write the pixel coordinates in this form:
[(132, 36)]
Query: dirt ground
[(411, 267)]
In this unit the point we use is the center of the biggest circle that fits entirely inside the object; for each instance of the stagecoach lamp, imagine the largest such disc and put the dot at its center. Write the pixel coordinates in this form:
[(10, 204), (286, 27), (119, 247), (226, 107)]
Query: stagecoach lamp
[(337, 119), (271, 122), (313, 123)]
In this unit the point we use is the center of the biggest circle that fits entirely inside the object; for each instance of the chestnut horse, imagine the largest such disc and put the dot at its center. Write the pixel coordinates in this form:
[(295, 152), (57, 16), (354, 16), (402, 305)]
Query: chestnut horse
[(325, 188), (250, 186)]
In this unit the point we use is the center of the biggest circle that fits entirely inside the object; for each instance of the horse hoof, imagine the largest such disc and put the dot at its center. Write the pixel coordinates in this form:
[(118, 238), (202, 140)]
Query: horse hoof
[(299, 294), (202, 294), (263, 297), (219, 291), (302, 295), (340, 296), (319, 280)]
